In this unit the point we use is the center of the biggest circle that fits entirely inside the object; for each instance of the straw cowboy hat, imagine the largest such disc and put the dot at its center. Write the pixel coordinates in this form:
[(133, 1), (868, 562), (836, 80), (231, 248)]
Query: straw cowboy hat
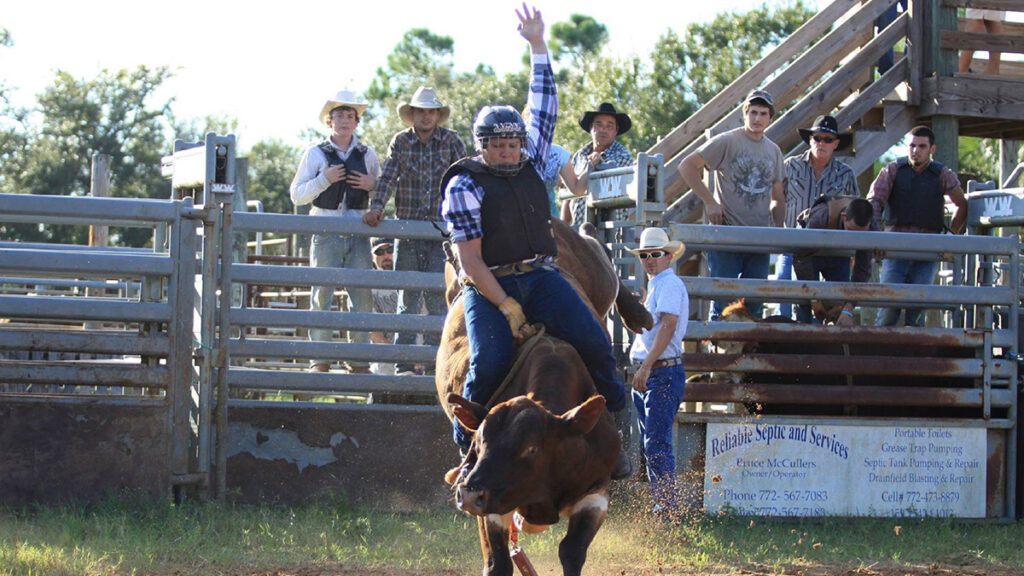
[(657, 239), (342, 98), (424, 97), (827, 125), (621, 118)]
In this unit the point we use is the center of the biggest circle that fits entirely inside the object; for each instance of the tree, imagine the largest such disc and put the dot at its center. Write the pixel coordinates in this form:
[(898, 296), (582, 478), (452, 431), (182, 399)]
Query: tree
[(271, 166), (421, 57), (582, 37), (110, 114), (716, 53)]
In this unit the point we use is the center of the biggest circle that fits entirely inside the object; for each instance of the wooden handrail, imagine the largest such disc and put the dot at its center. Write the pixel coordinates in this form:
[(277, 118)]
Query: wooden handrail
[(725, 100), (955, 40), (1010, 5), (814, 62)]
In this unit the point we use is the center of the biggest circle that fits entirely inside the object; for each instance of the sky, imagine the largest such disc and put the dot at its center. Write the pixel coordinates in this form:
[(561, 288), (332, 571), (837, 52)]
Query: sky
[(272, 64)]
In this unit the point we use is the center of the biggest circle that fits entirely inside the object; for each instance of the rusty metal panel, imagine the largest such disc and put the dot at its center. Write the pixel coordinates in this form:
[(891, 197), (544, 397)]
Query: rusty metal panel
[(54, 450), (382, 456), (830, 395), (813, 333), (848, 365), (996, 475)]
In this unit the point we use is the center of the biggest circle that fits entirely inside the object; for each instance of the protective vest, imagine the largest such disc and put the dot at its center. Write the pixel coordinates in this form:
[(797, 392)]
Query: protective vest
[(916, 199), (515, 215), (354, 198)]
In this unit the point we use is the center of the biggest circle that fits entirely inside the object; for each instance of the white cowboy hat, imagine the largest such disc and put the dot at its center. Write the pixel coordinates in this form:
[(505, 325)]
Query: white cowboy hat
[(657, 239), (424, 97), (342, 98)]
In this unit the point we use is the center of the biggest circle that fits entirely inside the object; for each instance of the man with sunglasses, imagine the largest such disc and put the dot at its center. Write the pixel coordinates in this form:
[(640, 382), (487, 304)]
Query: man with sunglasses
[(385, 300), (657, 355), (814, 174)]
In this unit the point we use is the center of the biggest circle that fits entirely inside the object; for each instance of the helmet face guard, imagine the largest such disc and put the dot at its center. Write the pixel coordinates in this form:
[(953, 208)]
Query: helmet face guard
[(500, 122)]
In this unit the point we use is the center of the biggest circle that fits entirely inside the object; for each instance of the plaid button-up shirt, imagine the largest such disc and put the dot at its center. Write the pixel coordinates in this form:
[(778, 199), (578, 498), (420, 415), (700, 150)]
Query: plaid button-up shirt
[(464, 196), (413, 173)]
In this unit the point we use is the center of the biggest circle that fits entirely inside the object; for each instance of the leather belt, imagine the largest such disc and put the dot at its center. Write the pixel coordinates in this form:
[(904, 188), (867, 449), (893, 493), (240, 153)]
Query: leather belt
[(667, 362), (520, 268)]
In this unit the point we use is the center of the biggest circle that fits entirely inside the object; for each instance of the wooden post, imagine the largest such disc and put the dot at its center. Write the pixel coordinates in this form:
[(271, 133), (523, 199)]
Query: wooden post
[(947, 141), (946, 62), (1009, 157), (99, 187)]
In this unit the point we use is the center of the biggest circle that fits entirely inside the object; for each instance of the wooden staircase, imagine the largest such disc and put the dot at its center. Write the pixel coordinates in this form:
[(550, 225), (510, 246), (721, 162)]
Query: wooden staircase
[(828, 67)]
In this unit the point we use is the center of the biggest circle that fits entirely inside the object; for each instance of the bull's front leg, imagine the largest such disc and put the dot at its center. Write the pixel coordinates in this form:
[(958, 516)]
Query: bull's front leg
[(494, 544), (585, 520)]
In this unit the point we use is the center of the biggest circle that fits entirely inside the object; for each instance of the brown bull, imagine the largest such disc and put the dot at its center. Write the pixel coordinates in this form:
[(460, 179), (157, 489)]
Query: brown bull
[(547, 447)]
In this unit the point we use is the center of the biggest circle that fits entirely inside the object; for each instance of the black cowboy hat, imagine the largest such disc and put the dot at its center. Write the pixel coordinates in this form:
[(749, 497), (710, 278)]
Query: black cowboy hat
[(827, 125), (621, 118)]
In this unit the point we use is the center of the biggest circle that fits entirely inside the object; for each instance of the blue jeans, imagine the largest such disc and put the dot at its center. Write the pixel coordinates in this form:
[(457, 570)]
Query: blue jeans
[(888, 17), (547, 298), (785, 272), (331, 251), (832, 269), (656, 412), (419, 256), (905, 272), (738, 265)]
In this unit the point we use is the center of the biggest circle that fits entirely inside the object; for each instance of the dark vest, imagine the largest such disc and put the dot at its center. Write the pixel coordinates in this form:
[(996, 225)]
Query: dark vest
[(336, 192), (917, 199), (515, 213)]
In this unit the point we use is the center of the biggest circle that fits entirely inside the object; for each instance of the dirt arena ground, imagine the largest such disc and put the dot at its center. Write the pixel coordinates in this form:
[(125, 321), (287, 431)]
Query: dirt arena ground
[(949, 567)]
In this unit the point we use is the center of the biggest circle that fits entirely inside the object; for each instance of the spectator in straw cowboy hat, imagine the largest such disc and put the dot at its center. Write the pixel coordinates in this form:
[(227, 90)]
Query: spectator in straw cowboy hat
[(336, 176), (417, 159), (602, 153), (657, 355)]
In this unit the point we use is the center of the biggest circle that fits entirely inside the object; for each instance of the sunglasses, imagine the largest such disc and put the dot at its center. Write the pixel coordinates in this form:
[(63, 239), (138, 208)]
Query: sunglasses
[(652, 254), (384, 250), (825, 139)]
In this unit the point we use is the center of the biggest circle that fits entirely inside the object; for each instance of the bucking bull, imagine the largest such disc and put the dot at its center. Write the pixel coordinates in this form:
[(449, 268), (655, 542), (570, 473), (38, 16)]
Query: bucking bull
[(544, 446)]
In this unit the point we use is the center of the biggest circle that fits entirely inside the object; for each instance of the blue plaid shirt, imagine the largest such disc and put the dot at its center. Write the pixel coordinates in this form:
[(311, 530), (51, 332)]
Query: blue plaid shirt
[(463, 196)]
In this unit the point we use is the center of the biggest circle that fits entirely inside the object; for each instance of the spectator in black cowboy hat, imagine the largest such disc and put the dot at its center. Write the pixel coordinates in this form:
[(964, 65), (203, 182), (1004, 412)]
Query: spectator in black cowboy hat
[(813, 174), (602, 153)]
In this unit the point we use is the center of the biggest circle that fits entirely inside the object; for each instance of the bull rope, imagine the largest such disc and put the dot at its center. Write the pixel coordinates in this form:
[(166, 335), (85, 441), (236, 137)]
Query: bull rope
[(521, 355)]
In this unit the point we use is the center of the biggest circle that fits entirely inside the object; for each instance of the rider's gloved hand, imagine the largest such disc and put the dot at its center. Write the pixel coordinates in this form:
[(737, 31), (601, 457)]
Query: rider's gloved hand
[(516, 319)]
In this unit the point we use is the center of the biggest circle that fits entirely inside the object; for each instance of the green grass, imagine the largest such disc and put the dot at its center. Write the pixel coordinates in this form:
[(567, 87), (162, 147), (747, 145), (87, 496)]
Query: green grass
[(132, 535)]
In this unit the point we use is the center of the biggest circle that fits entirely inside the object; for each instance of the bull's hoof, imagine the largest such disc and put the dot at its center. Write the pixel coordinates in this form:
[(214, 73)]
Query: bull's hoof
[(623, 467)]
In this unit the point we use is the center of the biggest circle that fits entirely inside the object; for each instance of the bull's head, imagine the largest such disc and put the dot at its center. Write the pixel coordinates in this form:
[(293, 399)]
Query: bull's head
[(516, 449)]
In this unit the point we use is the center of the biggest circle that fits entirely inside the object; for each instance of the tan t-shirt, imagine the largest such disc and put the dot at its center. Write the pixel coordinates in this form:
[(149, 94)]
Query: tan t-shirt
[(746, 169)]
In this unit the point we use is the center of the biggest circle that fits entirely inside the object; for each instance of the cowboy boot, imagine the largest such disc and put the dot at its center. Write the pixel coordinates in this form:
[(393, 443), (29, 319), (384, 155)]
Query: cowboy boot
[(623, 464)]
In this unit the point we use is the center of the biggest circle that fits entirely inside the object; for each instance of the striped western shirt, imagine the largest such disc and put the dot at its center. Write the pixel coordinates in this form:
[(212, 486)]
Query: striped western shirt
[(802, 188)]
